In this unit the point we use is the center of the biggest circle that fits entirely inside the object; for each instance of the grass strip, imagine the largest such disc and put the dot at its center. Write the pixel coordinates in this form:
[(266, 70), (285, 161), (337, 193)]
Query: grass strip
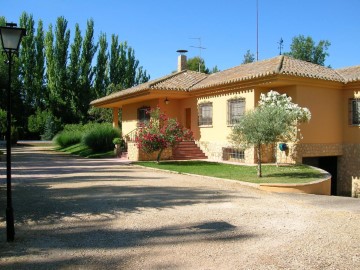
[(84, 151), (290, 174)]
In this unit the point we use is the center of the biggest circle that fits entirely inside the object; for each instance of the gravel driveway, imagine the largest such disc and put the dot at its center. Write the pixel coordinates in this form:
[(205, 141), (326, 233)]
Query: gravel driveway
[(74, 213)]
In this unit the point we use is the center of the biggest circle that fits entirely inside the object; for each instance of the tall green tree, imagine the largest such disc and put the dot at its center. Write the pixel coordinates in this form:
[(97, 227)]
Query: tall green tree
[(74, 70), (101, 77), (124, 70), (56, 59), (3, 72), (114, 70), (304, 48), (27, 60), (40, 89), (248, 57), (89, 48)]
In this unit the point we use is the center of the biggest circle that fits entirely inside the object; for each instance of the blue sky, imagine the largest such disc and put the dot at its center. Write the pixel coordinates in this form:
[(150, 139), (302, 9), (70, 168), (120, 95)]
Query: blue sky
[(157, 29)]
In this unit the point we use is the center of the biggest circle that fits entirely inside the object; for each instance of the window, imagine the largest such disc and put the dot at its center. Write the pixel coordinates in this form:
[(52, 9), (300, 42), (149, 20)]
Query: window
[(354, 113), (143, 115), (236, 109), (205, 114)]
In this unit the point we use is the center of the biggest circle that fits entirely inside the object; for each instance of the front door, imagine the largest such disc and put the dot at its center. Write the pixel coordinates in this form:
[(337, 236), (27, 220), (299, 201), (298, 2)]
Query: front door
[(188, 118)]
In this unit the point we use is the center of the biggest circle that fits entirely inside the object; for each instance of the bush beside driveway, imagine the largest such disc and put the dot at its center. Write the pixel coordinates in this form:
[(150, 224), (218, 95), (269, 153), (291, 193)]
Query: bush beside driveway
[(75, 213)]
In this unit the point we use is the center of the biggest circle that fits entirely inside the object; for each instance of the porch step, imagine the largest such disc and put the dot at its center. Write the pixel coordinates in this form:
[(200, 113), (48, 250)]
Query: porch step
[(188, 150)]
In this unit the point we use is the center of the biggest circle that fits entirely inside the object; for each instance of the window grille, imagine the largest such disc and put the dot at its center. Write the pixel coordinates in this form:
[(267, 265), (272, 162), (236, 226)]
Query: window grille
[(354, 111), (205, 114), (236, 109), (232, 154)]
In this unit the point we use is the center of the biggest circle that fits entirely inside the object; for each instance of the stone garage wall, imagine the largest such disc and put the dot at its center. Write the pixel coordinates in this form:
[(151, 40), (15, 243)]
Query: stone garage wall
[(349, 171)]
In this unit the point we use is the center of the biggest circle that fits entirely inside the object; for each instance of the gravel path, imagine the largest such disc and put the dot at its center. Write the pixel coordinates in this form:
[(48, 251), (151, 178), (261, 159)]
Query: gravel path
[(74, 213)]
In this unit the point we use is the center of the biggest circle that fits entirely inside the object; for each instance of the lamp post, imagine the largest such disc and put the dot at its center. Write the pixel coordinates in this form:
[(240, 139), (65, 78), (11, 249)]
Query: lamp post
[(10, 42)]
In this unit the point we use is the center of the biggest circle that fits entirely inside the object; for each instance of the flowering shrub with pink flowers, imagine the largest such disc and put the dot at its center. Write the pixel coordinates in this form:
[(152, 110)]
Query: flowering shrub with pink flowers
[(160, 132)]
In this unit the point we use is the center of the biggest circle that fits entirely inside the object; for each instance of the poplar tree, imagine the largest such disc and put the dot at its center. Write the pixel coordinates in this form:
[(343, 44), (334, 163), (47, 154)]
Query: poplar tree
[(89, 49), (74, 70), (56, 59), (101, 77), (124, 70), (40, 90), (27, 62), (3, 72)]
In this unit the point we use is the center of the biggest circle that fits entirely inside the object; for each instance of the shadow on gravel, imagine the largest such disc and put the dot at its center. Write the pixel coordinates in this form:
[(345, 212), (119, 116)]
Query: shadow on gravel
[(63, 187), (50, 187), (100, 239)]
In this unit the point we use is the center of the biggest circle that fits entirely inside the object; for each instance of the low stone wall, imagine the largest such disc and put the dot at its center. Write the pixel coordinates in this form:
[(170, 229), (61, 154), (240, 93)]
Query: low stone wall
[(322, 187), (214, 150), (349, 171), (134, 154)]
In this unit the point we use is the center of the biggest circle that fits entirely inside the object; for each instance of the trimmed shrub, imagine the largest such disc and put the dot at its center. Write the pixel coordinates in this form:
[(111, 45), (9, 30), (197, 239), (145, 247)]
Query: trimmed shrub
[(100, 137), (68, 137)]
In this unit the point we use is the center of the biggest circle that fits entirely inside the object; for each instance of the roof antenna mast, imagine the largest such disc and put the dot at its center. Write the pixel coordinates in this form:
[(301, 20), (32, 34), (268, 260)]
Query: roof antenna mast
[(257, 30), (200, 49)]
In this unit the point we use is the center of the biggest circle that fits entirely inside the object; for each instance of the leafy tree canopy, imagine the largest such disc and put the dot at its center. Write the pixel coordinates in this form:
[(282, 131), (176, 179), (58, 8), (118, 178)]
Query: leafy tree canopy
[(304, 48), (196, 62), (248, 57)]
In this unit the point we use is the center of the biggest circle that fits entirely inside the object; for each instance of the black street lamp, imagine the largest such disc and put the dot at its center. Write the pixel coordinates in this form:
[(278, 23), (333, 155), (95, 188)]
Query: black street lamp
[(10, 42)]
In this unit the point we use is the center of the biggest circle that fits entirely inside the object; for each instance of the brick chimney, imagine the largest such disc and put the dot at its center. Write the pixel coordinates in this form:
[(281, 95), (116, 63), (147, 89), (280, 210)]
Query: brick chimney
[(182, 65)]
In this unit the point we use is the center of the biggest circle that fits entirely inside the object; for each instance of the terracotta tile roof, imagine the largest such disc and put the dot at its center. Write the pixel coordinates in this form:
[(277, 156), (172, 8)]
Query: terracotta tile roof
[(277, 65), (183, 81), (177, 81), (242, 73), (305, 69), (350, 74), (284, 65)]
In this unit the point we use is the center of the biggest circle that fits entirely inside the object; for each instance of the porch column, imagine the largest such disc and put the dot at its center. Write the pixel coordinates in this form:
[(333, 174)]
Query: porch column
[(115, 117)]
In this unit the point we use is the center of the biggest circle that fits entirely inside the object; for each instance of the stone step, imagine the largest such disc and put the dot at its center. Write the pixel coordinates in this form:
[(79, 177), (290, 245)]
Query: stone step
[(188, 150)]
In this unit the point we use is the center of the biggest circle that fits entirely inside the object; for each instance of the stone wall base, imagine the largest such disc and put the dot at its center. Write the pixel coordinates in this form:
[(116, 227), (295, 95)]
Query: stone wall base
[(215, 151), (135, 154), (296, 152)]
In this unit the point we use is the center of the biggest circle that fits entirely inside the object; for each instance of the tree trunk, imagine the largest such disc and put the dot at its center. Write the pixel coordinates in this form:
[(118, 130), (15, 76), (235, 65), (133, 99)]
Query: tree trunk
[(159, 154), (258, 150)]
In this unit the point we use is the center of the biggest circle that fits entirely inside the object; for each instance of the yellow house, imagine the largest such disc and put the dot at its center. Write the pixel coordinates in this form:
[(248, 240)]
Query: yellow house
[(208, 105)]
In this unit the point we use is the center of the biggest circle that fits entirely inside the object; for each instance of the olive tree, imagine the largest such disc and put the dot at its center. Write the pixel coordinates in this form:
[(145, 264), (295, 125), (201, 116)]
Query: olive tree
[(275, 119)]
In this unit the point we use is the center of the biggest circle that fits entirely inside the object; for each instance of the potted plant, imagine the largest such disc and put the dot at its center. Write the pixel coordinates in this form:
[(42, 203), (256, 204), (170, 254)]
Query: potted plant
[(118, 142)]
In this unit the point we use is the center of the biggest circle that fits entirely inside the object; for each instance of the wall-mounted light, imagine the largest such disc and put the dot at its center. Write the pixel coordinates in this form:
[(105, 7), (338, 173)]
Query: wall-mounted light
[(166, 101)]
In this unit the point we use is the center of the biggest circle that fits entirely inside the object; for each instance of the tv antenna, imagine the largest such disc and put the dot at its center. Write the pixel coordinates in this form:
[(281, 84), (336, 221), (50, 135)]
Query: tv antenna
[(200, 47), (281, 45)]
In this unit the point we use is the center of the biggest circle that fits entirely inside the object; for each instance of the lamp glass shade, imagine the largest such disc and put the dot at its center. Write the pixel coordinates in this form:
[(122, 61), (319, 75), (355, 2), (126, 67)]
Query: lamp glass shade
[(11, 37)]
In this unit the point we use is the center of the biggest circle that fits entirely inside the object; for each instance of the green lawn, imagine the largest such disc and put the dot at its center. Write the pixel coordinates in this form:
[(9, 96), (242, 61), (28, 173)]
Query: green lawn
[(271, 173), (84, 151)]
